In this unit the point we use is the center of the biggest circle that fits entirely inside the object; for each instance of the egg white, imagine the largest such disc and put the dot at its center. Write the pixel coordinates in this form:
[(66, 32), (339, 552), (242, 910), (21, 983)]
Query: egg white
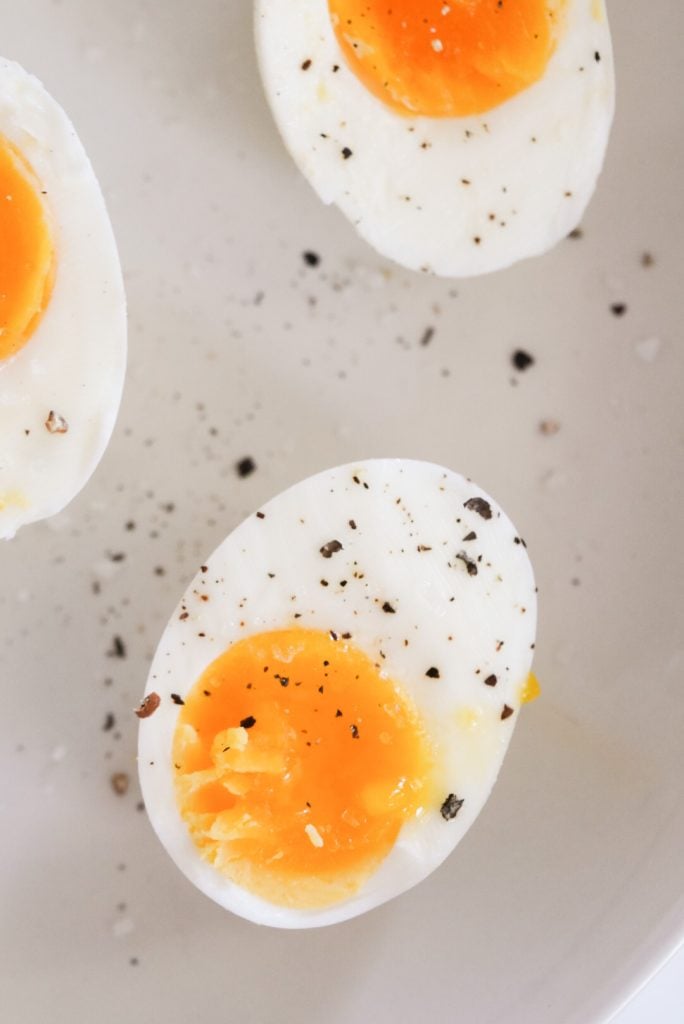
[(74, 362), (421, 190), (270, 568)]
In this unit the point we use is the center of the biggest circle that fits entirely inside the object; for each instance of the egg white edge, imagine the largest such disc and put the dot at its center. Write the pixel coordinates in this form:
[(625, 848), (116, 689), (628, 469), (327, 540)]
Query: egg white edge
[(85, 318)]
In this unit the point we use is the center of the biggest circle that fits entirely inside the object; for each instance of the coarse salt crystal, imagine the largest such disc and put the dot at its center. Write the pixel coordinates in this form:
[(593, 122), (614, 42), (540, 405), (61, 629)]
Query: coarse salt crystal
[(314, 835)]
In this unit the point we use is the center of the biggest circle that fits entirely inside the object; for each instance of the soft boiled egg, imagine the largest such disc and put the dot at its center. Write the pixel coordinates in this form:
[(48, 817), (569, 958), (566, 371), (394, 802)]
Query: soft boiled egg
[(457, 136), (330, 704), (62, 308)]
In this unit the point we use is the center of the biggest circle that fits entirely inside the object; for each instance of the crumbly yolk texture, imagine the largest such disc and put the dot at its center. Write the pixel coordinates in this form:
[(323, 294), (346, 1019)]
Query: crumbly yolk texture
[(27, 255), (446, 58), (296, 764)]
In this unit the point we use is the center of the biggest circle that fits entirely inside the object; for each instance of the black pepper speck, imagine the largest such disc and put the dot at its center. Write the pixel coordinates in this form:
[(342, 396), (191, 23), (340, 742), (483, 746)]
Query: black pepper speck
[(331, 548), (522, 360), (451, 806), (479, 505), (245, 467)]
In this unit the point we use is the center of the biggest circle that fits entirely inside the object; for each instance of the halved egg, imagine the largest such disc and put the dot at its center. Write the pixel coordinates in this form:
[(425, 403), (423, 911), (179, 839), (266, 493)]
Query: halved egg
[(457, 136), (62, 308), (330, 704)]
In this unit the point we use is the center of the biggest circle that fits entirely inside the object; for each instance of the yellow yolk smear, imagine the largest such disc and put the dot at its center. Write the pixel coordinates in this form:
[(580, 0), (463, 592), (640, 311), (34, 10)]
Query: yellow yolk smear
[(446, 58), (530, 690), (27, 255), (296, 764)]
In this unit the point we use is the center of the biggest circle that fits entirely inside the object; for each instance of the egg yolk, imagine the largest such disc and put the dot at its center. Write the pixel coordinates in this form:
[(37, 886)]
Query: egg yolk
[(530, 690), (27, 256), (296, 764), (446, 58)]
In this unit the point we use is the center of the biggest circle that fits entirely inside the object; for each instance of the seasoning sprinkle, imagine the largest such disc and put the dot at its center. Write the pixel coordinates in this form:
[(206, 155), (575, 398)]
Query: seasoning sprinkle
[(314, 835), (507, 712), (470, 565), (479, 505), (118, 648), (451, 806), (432, 673), (148, 705), (120, 782), (245, 467), (522, 360), (387, 607), (491, 680), (329, 549), (177, 699), (248, 722), (56, 424)]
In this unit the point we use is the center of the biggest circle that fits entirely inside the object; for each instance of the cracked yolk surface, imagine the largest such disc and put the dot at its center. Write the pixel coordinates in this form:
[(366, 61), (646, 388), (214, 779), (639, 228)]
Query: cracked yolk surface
[(446, 58), (27, 256), (296, 764)]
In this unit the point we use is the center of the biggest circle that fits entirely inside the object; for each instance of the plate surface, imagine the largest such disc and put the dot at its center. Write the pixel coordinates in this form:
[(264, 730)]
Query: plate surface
[(571, 885)]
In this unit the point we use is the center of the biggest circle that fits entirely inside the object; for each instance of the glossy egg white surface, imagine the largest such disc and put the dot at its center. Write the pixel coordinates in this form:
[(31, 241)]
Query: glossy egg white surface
[(73, 364), (417, 539), (451, 196)]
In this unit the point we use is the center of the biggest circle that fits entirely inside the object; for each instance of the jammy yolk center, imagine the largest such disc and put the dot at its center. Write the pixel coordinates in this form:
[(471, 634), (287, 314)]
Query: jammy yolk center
[(27, 256), (446, 58), (296, 764)]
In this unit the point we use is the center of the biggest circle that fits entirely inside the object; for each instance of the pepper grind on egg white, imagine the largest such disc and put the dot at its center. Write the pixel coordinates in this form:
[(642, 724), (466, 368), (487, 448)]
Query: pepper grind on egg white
[(457, 136), (330, 703)]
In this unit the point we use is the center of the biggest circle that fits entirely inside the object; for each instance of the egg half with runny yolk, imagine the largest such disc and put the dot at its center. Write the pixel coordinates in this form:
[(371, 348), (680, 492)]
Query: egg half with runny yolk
[(62, 308), (457, 136), (331, 701)]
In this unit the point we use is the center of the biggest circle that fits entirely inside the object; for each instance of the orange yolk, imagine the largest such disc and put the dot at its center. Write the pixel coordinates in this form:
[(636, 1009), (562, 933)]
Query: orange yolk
[(296, 764), (446, 58), (27, 256)]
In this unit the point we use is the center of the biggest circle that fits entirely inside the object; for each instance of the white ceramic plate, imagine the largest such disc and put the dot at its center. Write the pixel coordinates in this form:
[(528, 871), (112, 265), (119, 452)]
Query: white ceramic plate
[(570, 887)]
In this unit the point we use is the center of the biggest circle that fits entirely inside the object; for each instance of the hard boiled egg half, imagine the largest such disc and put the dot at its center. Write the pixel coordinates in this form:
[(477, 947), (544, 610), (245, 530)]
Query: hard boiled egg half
[(330, 704), (458, 136), (62, 308)]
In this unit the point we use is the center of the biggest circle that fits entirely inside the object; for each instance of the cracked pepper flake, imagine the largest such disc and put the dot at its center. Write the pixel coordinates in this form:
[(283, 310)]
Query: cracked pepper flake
[(451, 806)]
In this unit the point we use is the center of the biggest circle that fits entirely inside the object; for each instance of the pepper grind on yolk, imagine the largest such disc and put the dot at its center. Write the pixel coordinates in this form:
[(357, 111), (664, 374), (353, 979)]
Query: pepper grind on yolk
[(296, 764), (27, 258), (446, 58)]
